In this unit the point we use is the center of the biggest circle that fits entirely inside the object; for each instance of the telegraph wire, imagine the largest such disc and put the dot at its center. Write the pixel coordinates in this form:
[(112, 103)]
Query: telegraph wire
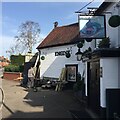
[(84, 7)]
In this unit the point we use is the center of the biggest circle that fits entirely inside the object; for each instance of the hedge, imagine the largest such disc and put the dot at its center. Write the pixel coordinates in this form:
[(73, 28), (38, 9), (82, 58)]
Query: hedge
[(17, 59), (14, 68)]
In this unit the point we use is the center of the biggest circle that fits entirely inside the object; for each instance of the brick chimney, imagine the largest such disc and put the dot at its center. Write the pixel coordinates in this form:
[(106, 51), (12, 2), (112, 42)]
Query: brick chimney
[(55, 24)]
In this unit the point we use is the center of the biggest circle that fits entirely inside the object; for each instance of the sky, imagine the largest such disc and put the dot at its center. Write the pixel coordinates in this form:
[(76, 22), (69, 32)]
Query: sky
[(44, 13)]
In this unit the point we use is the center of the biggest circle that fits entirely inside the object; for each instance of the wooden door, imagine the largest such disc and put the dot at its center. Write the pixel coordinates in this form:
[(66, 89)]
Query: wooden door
[(94, 86)]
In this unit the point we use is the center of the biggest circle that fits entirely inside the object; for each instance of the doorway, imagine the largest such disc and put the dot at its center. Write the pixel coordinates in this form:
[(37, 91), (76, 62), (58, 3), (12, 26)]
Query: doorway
[(71, 72), (94, 85), (71, 75)]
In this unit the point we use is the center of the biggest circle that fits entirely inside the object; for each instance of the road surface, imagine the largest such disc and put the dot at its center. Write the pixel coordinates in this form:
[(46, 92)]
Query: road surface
[(1, 97), (22, 103), (1, 72)]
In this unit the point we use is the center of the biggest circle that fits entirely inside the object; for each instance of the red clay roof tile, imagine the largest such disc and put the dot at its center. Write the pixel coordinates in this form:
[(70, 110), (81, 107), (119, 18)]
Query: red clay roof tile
[(61, 36)]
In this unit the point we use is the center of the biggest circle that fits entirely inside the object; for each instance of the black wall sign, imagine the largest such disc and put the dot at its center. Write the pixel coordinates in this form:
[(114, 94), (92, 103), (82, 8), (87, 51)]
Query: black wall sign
[(60, 53)]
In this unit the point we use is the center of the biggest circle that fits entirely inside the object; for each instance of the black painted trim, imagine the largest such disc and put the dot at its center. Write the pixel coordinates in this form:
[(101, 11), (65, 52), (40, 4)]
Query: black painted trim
[(103, 112), (57, 45), (104, 27), (72, 65), (107, 52), (103, 7)]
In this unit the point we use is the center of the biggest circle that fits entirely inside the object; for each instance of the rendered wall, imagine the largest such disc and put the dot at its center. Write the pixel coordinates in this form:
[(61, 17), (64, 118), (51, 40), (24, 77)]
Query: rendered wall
[(109, 77), (112, 32), (52, 65)]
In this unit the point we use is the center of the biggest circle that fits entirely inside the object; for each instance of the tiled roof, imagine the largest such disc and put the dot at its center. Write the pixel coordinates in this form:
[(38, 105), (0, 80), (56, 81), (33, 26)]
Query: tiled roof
[(61, 36), (3, 59)]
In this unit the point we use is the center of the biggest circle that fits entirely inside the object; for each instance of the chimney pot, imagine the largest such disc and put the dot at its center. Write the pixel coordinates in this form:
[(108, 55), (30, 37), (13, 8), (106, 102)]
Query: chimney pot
[(55, 24)]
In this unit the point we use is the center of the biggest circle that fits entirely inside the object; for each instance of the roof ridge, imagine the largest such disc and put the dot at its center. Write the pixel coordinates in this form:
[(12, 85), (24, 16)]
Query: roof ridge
[(67, 25), (61, 35)]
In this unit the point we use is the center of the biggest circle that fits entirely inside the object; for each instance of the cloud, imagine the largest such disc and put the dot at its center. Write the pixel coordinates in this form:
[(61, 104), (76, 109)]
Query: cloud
[(5, 43), (7, 36), (9, 23), (43, 36), (71, 16), (8, 41)]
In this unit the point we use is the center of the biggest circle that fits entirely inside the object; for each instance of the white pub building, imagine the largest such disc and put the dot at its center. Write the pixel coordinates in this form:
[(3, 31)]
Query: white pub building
[(99, 65)]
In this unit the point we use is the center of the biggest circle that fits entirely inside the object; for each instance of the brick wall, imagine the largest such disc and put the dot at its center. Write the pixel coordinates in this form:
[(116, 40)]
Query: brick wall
[(11, 75)]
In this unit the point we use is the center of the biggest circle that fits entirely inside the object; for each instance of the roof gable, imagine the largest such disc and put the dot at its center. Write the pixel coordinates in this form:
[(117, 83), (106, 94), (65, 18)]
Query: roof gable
[(61, 36)]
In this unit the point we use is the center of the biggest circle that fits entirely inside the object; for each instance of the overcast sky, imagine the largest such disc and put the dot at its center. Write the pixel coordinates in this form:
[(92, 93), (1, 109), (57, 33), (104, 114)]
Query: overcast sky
[(44, 13)]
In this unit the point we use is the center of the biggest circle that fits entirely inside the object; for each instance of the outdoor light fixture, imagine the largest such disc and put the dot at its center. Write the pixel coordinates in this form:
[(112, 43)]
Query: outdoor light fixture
[(79, 55)]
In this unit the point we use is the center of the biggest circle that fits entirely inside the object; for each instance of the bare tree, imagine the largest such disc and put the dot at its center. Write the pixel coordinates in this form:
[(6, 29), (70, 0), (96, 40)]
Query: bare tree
[(28, 35)]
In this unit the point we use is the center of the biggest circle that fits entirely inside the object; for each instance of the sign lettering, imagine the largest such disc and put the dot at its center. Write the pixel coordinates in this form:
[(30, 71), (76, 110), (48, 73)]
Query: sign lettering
[(60, 53)]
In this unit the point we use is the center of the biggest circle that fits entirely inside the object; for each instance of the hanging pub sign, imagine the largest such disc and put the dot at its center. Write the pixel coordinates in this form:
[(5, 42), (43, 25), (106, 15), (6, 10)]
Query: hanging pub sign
[(92, 27)]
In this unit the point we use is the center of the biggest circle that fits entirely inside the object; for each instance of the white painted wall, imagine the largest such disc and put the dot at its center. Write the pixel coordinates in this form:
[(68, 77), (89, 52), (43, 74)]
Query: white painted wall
[(28, 56), (111, 66), (113, 33), (110, 77), (52, 65), (88, 44)]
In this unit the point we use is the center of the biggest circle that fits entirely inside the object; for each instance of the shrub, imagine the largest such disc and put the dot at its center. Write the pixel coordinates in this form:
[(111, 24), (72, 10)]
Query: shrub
[(21, 68), (79, 83), (104, 43), (13, 68), (17, 59)]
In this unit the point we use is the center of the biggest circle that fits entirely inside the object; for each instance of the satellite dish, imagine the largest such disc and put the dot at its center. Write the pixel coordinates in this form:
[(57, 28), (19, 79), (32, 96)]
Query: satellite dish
[(114, 21)]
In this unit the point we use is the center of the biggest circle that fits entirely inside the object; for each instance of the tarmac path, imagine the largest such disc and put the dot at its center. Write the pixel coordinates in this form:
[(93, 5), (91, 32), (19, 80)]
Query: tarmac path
[(1, 98), (21, 103), (1, 72)]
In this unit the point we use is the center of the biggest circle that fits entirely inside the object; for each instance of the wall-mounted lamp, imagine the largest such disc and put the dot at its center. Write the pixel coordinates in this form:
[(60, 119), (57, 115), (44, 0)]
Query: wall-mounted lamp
[(79, 55)]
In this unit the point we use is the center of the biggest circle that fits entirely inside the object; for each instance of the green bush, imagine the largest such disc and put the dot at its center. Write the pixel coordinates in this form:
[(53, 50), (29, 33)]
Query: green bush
[(13, 68), (21, 68), (104, 43), (17, 59), (79, 83)]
